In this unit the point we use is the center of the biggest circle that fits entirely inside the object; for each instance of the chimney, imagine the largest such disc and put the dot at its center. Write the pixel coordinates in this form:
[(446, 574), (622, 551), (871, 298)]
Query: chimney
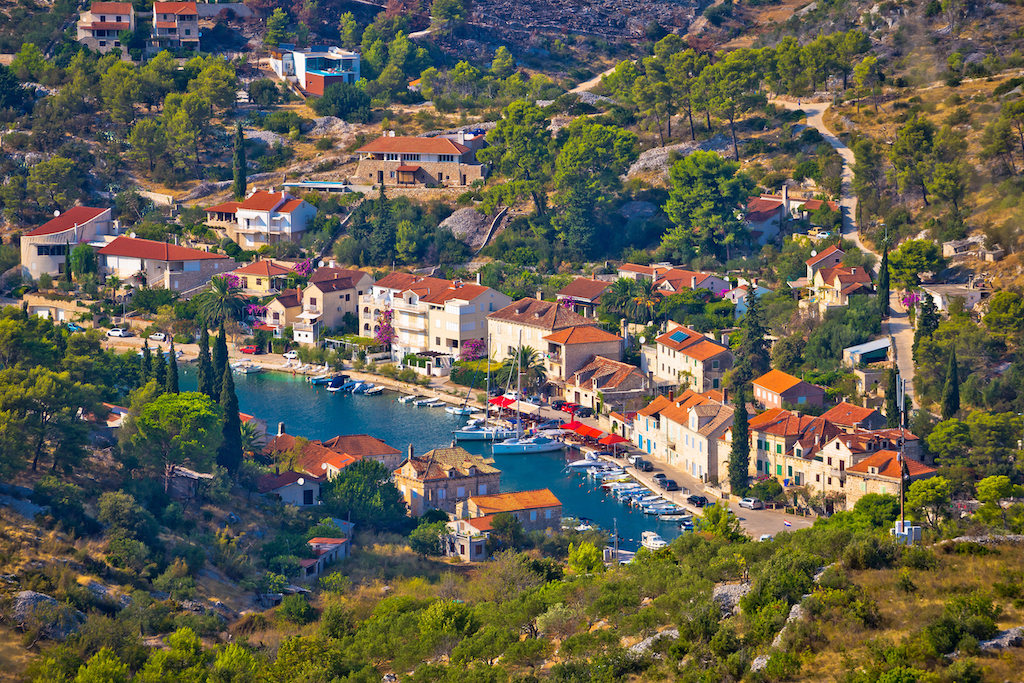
[(410, 451), (332, 263), (671, 394), (853, 271), (277, 470), (725, 396), (754, 281), (478, 277), (817, 439), (785, 197), (693, 282), (796, 414), (540, 295), (280, 428)]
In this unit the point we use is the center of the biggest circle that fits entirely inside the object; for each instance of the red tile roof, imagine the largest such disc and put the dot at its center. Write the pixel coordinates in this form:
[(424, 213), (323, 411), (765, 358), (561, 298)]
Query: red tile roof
[(110, 8), (272, 482), (549, 315), (704, 350), (66, 221), (777, 381), (166, 24), (848, 415), (290, 298), (454, 291), (815, 204), (411, 145), (264, 268), (678, 279), (226, 207), (156, 251), (888, 465), (824, 254), (174, 8), (634, 268), (512, 502), (336, 285), (396, 281), (360, 445), (326, 540), (585, 289), (604, 373), (759, 210), (582, 335), (845, 276), (261, 200), (329, 273), (290, 206)]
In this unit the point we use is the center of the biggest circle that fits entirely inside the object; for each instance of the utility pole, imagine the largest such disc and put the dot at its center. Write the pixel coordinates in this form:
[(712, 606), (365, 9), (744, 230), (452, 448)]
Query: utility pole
[(902, 455)]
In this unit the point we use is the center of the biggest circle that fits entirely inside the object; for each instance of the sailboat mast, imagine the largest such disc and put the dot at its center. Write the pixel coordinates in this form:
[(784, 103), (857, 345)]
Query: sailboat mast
[(487, 401), (519, 386)]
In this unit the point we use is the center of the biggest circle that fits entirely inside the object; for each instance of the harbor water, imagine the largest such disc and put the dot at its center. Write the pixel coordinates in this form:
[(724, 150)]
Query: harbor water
[(315, 413)]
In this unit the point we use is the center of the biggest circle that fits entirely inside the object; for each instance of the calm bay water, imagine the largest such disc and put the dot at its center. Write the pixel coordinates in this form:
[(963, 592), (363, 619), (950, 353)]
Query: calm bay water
[(315, 413)]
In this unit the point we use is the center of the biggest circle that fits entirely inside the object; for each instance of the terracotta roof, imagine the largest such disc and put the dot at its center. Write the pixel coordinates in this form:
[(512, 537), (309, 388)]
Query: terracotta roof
[(888, 465), (519, 500), (396, 281), (824, 254), (894, 434), (679, 411), (305, 563), (326, 540), (678, 279), (604, 373), (435, 464), (174, 8), (704, 350), (110, 8), (777, 381), (484, 523), (261, 200), (155, 251), (848, 415), (759, 210), (329, 273), (766, 418), (634, 268), (411, 145), (844, 276), (789, 424), (815, 204), (655, 407), (360, 445), (166, 24), (582, 335), (290, 298), (678, 337), (66, 221), (290, 206), (454, 291), (313, 457), (226, 207), (549, 315), (585, 289), (264, 268), (272, 482), (335, 285)]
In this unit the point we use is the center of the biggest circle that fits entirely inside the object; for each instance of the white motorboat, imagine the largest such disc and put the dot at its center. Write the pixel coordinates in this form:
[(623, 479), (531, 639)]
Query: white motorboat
[(409, 398), (424, 401), (456, 410), (374, 390), (477, 432), (652, 541), (247, 368), (527, 444)]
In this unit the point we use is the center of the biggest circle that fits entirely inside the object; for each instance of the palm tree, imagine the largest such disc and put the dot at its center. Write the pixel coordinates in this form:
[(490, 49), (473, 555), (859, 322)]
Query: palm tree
[(222, 301), (644, 302), (534, 376), (252, 440), (616, 299), (113, 283)]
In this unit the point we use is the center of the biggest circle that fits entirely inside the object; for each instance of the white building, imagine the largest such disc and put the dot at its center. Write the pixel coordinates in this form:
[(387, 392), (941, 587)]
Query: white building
[(315, 68), (738, 296), (686, 357), (263, 218), (160, 265), (45, 249)]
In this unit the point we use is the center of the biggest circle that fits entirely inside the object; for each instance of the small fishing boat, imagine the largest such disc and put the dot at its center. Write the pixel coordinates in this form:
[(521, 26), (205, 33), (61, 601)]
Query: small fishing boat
[(456, 410), (374, 390), (652, 541), (247, 368), (677, 515), (409, 398)]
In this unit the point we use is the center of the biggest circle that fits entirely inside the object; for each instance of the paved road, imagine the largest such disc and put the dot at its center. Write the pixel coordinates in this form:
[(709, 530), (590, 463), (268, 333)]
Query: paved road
[(898, 326)]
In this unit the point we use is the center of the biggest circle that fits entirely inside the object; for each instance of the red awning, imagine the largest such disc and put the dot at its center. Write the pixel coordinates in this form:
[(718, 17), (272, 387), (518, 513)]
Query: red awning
[(408, 169), (587, 430), (613, 439), (572, 426), (502, 401), (268, 328)]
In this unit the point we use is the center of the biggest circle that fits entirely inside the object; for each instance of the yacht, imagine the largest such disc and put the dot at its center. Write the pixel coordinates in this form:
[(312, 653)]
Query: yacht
[(527, 444), (652, 541)]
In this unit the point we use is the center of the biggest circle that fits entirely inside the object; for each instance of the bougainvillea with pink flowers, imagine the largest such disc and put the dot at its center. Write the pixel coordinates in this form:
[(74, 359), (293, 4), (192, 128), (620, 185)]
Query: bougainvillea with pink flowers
[(256, 310), (569, 303), (231, 280), (385, 333), (304, 268), (911, 299), (474, 349)]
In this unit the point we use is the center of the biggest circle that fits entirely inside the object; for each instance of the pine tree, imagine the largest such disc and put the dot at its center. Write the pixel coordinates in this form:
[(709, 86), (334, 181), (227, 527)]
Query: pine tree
[(160, 368), (951, 390), (892, 411), (171, 387), (220, 360), (755, 351), (205, 366), (146, 364), (230, 454), (238, 164), (739, 456), (927, 321), (883, 283)]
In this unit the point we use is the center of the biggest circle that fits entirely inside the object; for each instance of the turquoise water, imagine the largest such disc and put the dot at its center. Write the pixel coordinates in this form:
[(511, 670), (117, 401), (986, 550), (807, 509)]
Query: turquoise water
[(315, 413)]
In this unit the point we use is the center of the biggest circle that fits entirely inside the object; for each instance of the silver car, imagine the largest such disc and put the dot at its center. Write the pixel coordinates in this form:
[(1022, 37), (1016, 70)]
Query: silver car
[(752, 504)]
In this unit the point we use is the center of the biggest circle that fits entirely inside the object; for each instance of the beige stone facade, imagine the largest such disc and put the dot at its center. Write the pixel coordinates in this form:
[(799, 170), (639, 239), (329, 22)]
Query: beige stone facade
[(46, 248), (443, 477), (378, 171)]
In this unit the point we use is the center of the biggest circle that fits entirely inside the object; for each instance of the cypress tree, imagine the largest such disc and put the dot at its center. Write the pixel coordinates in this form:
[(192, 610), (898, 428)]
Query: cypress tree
[(146, 364), (892, 411), (951, 390), (230, 454), (220, 359), (739, 456), (927, 321), (171, 387), (883, 283), (205, 366), (754, 351), (238, 164), (160, 368)]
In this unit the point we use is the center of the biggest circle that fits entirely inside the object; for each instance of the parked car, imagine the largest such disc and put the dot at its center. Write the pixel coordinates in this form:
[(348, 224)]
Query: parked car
[(697, 501), (291, 355), (584, 411), (752, 504), (158, 336), (568, 407), (251, 348), (765, 538), (659, 477), (670, 485), (643, 465), (72, 327), (636, 457), (558, 403), (119, 332)]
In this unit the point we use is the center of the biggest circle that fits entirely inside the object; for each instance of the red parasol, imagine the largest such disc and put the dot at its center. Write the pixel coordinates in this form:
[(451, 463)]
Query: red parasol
[(502, 401), (613, 439), (572, 426), (587, 430)]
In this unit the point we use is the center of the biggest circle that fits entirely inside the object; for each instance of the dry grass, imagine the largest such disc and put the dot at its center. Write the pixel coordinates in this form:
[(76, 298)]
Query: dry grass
[(14, 659)]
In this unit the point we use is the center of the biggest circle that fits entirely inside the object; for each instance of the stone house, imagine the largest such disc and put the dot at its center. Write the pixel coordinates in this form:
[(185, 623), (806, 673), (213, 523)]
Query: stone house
[(834, 286), (300, 489), (159, 265), (331, 293), (528, 322), (46, 248), (584, 295), (851, 417), (537, 510), (414, 161), (567, 350), (785, 443), (264, 218), (775, 388), (603, 384), (687, 357), (283, 311), (441, 478), (175, 25), (881, 473), (366, 447), (100, 26), (675, 280)]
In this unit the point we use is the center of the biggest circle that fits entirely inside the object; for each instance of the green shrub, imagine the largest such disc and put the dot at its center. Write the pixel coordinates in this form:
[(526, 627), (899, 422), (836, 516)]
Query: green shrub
[(296, 609), (916, 557), (324, 144), (282, 121)]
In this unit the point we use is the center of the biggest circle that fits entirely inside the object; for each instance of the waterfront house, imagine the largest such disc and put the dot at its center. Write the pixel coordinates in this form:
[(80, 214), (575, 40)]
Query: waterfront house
[(441, 478), (160, 265), (852, 417), (430, 315), (529, 321), (307, 456), (264, 276), (569, 349), (175, 26), (331, 294), (314, 68), (687, 358), (775, 388), (786, 444), (538, 510), (583, 295), (100, 26), (881, 473), (603, 384), (45, 249), (326, 551), (284, 309), (264, 218), (416, 161), (366, 447), (300, 489)]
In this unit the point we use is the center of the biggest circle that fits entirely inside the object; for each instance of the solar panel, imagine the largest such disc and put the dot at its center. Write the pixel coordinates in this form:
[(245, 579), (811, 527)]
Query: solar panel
[(678, 336)]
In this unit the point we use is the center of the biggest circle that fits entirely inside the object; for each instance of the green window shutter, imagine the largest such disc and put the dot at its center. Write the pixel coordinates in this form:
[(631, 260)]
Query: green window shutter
[(778, 470), (790, 470), (778, 448)]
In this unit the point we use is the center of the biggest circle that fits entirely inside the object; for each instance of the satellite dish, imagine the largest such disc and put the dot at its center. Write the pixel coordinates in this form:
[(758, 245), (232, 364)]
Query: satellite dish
[(643, 340), (814, 252), (321, 265), (301, 481), (132, 234), (56, 212)]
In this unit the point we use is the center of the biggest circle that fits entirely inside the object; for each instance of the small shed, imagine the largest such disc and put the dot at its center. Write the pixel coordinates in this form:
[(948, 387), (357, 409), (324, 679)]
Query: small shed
[(868, 352)]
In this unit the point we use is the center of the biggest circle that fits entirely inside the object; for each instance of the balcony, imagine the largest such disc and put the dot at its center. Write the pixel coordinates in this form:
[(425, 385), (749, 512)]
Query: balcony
[(304, 327), (407, 322), (312, 309), (401, 305)]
